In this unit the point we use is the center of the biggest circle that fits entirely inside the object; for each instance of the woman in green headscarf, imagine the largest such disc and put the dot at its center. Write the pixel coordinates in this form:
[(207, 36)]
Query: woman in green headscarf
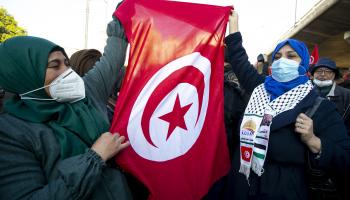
[(54, 142)]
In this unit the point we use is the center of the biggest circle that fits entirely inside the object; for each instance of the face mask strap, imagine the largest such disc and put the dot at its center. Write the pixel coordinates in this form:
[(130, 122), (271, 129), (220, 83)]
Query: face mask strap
[(21, 95), (33, 98), (62, 76)]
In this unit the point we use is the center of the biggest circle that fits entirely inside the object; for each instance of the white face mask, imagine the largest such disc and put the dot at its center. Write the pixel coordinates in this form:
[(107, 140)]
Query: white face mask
[(284, 70), (323, 83), (67, 87)]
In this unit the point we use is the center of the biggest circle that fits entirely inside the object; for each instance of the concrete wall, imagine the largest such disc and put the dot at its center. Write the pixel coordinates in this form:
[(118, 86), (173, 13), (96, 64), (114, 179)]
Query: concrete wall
[(337, 49)]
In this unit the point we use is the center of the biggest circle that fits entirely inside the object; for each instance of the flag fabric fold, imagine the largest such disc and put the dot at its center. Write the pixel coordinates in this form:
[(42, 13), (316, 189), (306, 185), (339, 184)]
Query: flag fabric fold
[(170, 105)]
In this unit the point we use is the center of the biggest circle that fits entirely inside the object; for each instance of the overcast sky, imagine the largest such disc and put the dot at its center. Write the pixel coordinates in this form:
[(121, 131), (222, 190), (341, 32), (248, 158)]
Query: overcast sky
[(262, 22)]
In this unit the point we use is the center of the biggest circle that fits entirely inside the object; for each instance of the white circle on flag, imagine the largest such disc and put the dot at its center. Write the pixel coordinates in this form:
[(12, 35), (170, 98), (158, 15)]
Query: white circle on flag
[(180, 140)]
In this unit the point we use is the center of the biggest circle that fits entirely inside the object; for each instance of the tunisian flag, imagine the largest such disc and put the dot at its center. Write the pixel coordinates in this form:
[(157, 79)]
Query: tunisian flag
[(170, 106), (314, 56)]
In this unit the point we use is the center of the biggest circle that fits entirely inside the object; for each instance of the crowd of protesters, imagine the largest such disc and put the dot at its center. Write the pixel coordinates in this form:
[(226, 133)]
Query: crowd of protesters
[(303, 123)]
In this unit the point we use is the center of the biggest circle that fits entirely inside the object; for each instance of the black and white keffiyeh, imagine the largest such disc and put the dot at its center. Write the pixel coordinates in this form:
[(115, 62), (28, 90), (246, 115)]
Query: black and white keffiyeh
[(256, 123)]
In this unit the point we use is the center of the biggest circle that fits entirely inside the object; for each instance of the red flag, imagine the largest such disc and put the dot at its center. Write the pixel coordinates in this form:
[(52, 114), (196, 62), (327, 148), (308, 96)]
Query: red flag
[(170, 106), (314, 56)]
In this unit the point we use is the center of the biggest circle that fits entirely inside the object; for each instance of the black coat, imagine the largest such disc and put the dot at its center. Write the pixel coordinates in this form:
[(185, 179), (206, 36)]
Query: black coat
[(234, 105), (341, 98), (285, 166)]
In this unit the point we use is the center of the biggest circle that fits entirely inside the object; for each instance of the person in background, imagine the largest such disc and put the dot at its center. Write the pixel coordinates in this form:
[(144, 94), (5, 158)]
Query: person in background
[(234, 103), (54, 139), (262, 65), (83, 60), (277, 139), (324, 74)]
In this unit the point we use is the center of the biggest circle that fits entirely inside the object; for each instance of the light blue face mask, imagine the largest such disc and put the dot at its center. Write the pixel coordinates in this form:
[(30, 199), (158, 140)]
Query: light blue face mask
[(284, 70)]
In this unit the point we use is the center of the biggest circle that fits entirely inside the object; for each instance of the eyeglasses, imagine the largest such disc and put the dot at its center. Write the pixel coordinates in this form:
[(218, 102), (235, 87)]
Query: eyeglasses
[(325, 72)]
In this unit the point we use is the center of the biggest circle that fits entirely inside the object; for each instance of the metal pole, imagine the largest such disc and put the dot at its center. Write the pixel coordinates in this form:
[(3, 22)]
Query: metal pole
[(86, 24), (295, 12)]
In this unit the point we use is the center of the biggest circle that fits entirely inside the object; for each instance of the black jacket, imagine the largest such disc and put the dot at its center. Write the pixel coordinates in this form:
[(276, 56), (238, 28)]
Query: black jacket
[(341, 98), (284, 174), (345, 84), (234, 105)]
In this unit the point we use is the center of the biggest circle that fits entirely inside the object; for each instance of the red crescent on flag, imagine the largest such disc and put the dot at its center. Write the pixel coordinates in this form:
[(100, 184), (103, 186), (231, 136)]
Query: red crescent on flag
[(184, 74)]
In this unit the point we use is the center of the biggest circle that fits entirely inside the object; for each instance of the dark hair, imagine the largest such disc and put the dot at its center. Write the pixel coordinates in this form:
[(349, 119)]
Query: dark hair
[(58, 48), (260, 58), (82, 61)]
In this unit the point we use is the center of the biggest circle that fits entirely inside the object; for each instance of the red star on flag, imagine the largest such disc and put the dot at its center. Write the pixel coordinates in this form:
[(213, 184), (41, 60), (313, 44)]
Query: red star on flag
[(175, 118)]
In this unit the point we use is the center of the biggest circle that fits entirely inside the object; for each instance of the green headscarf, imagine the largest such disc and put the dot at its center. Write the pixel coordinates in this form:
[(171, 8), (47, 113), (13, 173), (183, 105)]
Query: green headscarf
[(23, 62)]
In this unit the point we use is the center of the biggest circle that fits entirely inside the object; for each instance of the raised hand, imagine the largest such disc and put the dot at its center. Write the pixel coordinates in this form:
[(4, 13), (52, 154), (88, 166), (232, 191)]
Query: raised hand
[(233, 22)]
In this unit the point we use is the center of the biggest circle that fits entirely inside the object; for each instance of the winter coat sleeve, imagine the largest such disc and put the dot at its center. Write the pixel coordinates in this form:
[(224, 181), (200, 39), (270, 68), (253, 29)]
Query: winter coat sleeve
[(335, 143), (101, 78), (22, 174), (247, 76)]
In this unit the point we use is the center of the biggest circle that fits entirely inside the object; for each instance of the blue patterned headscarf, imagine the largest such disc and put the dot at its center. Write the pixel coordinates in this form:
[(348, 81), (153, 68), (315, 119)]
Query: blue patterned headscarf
[(275, 88)]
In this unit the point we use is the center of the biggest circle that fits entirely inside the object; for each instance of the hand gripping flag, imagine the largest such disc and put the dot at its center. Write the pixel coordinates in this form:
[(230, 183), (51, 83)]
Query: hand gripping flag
[(170, 106)]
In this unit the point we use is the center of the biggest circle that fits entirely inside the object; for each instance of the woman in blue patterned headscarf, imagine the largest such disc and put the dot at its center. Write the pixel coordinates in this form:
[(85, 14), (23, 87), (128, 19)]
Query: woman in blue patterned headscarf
[(277, 139), (297, 49)]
